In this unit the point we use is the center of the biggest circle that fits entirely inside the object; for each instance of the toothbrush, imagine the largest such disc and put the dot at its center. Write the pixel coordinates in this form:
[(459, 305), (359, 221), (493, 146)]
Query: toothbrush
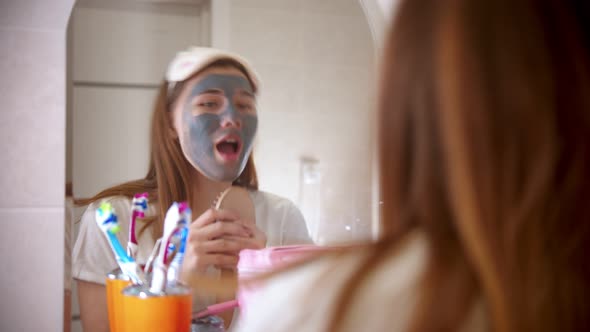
[(182, 233), (172, 252), (107, 222), (160, 265), (216, 309), (138, 209), (148, 266)]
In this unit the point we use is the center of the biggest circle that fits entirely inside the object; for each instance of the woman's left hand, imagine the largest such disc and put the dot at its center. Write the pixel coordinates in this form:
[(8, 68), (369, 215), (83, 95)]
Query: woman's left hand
[(257, 238)]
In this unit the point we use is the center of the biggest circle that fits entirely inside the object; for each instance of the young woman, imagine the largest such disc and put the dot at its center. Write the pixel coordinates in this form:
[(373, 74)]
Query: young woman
[(484, 138), (203, 128)]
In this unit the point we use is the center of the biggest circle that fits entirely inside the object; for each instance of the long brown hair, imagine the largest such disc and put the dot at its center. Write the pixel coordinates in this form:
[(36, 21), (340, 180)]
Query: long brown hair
[(485, 147), (169, 173)]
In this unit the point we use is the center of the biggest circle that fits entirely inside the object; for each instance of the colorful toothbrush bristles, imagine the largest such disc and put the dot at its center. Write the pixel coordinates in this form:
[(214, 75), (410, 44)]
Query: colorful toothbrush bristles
[(185, 212), (140, 203), (106, 218), (182, 206), (139, 206)]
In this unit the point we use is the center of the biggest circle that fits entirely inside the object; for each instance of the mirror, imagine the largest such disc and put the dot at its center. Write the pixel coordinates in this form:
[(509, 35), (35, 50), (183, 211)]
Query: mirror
[(315, 59)]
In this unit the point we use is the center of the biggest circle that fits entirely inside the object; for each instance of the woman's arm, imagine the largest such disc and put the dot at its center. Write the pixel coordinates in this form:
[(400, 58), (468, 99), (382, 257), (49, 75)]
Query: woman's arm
[(92, 259), (67, 310), (93, 306), (215, 239)]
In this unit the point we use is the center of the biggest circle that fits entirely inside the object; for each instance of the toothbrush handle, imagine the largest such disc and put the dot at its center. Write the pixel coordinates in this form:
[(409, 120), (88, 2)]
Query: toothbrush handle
[(119, 251), (216, 309)]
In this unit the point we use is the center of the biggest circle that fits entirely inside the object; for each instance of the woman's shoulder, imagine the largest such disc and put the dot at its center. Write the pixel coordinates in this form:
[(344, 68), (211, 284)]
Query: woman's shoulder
[(271, 207), (297, 283), (280, 219), (115, 201), (391, 283), (121, 205), (269, 200), (402, 259)]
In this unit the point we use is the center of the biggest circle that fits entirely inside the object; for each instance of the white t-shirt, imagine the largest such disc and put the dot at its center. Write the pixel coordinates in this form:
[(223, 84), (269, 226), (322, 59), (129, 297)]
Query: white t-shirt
[(303, 297), (93, 257)]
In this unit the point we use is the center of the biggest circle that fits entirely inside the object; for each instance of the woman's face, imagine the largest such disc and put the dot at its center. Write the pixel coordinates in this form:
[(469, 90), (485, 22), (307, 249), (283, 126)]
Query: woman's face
[(215, 119)]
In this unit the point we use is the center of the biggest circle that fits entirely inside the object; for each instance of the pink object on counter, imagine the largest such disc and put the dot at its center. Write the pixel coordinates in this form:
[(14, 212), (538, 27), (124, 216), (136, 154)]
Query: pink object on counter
[(216, 309), (254, 263)]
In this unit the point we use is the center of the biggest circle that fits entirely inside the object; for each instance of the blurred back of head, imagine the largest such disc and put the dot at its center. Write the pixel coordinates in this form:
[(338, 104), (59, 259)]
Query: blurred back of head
[(485, 146)]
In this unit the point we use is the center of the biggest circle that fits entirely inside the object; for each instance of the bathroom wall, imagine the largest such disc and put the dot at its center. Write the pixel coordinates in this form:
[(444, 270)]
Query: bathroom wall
[(32, 141), (316, 61), (120, 51)]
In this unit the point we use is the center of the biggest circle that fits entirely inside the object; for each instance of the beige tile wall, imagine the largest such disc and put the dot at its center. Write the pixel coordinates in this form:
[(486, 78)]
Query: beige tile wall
[(132, 44), (119, 56), (32, 142), (110, 136)]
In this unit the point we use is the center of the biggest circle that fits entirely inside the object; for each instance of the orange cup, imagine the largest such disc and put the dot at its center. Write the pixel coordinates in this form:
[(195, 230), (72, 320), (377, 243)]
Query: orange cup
[(170, 312), (116, 282)]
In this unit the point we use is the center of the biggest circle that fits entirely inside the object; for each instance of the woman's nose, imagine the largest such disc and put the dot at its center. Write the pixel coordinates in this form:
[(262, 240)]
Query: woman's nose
[(230, 119)]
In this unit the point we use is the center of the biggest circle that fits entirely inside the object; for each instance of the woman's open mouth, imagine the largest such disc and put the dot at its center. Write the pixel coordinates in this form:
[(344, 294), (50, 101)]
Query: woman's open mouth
[(229, 148)]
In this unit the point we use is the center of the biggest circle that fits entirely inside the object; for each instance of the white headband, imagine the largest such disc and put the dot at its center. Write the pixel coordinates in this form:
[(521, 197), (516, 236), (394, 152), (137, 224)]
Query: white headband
[(194, 59)]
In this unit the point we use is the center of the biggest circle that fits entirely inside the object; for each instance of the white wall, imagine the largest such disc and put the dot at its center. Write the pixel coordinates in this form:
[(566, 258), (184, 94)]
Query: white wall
[(120, 53), (32, 141), (316, 62)]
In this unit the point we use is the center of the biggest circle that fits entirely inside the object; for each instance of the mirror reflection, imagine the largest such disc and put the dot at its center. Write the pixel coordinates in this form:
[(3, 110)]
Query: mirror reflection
[(293, 124)]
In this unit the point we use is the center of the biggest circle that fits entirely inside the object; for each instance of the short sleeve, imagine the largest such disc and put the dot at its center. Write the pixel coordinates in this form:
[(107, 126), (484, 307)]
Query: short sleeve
[(280, 220), (92, 256), (294, 227)]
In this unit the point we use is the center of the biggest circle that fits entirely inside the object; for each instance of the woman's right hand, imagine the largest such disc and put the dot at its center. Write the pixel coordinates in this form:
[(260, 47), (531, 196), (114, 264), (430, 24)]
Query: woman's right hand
[(215, 238)]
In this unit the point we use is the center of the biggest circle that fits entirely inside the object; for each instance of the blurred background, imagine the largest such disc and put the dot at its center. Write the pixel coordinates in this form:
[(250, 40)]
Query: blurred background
[(316, 61), (78, 95)]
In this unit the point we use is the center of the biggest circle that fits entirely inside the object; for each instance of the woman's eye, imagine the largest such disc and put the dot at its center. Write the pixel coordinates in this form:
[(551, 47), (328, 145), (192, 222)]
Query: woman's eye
[(208, 104), (245, 107)]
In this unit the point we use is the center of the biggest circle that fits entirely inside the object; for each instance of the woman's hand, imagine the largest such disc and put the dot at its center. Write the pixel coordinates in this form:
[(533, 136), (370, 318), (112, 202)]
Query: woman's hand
[(258, 236), (216, 238)]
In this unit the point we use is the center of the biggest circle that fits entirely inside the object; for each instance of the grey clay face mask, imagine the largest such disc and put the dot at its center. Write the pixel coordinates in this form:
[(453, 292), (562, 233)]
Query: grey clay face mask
[(201, 132)]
